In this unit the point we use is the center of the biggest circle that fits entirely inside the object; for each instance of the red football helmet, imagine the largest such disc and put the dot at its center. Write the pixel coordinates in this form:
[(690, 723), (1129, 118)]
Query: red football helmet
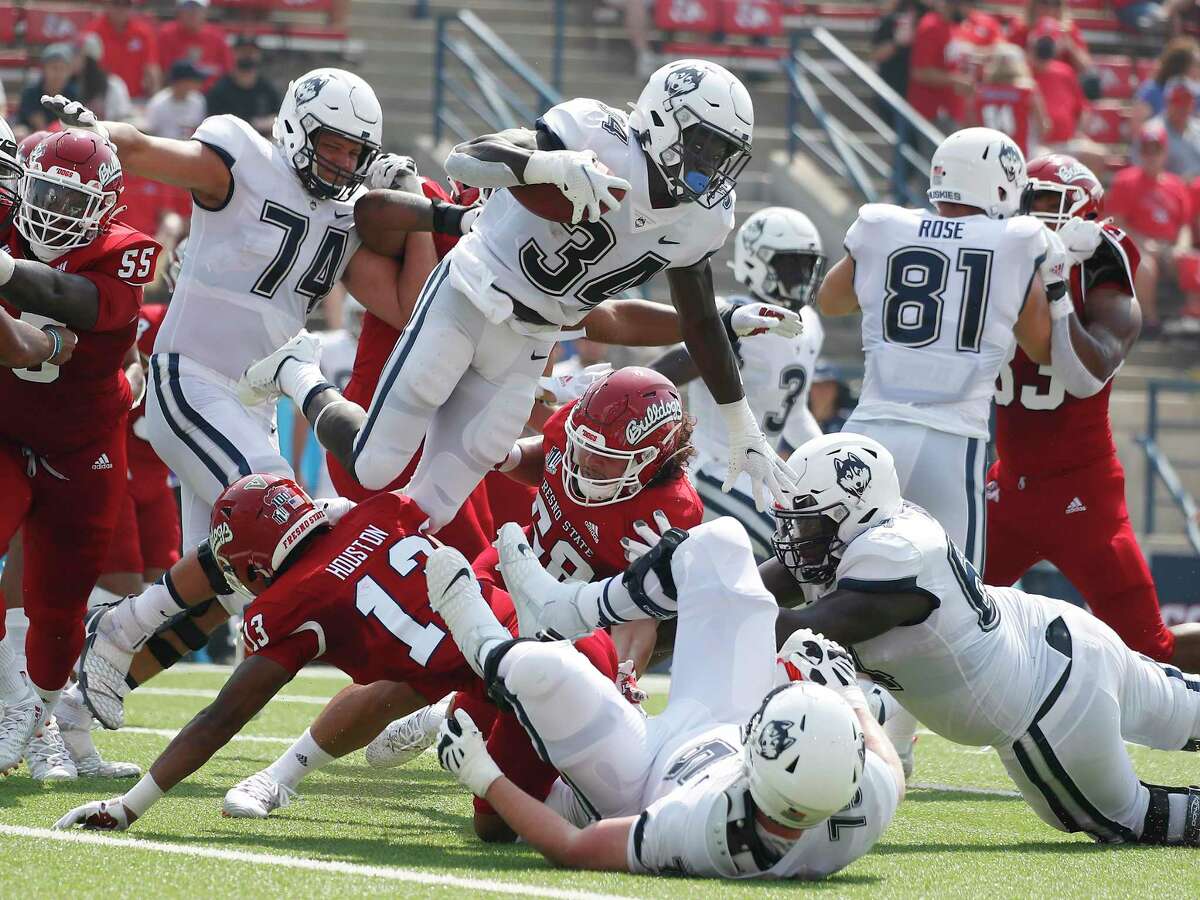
[(619, 434), (256, 524), (1079, 191), (29, 142), (71, 187)]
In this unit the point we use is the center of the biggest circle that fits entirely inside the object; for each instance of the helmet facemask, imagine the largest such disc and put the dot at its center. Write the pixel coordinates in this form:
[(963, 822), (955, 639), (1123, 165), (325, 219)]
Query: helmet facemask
[(792, 276), (596, 475), (341, 182), (1071, 198), (58, 214), (10, 186), (806, 539), (703, 164)]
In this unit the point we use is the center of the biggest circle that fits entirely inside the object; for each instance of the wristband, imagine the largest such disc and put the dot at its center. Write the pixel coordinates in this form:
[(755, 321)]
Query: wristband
[(56, 340), (142, 795), (1056, 290), (727, 321), (448, 218), (511, 461)]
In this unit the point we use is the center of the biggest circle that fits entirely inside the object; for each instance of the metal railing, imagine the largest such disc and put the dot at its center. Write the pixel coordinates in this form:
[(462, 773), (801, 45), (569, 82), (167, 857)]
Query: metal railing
[(834, 141), (1159, 468), (477, 75)]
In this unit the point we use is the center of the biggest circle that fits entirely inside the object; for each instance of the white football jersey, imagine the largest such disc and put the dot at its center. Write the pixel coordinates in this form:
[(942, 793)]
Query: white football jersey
[(776, 375), (258, 263), (698, 817), (939, 300), (338, 349), (977, 667), (562, 271)]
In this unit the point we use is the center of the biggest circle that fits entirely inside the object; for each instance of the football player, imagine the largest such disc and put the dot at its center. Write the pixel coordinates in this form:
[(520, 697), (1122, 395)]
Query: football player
[(1052, 688), (942, 294), (66, 263), (802, 790), (1057, 491), (464, 374), (779, 259), (346, 584), (272, 230)]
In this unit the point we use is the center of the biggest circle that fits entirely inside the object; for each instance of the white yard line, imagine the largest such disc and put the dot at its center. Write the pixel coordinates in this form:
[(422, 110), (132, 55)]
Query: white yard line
[(210, 694), (959, 789), (170, 733), (388, 873)]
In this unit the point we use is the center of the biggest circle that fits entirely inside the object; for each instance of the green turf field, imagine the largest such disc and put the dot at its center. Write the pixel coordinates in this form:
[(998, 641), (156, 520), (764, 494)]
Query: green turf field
[(407, 831)]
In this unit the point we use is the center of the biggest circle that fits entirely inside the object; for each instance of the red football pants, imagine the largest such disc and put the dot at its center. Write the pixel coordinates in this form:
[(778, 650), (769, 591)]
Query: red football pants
[(1079, 522), (66, 506), (147, 532)]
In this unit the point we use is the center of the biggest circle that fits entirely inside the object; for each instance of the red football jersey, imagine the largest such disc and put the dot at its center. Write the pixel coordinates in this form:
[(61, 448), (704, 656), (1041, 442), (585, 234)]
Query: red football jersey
[(584, 542), (357, 599), (1007, 108), (56, 409), (143, 462), (1040, 428)]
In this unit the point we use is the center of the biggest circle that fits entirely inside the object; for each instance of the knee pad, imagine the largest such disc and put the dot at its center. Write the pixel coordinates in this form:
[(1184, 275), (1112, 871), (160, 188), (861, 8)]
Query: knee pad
[(538, 669), (1172, 816), (489, 436), (436, 360), (719, 551)]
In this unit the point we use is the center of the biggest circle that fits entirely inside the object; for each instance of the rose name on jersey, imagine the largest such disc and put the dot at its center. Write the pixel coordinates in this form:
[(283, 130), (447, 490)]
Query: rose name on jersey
[(356, 552)]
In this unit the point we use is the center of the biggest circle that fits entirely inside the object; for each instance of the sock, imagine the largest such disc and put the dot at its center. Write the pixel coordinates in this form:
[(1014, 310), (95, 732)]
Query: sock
[(302, 758), (132, 622), (71, 714), (16, 624), (606, 602), (49, 701), (298, 381), (13, 686)]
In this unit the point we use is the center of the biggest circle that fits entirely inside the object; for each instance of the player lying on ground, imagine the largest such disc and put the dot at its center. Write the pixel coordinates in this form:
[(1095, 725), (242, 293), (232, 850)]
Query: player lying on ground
[(807, 786), (1057, 491)]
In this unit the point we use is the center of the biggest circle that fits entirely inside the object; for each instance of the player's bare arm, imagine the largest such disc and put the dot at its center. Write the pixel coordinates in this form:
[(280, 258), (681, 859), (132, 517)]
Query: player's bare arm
[(37, 288), (703, 332), (385, 218), (1114, 321), (1032, 329), (22, 345), (526, 461), (836, 296), (389, 287), (631, 322)]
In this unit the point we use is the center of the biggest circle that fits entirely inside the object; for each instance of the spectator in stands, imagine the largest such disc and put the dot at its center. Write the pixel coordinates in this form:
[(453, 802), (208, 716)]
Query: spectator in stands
[(1050, 18), (1061, 93), (1179, 59), (57, 77), (245, 91), (101, 91), (1140, 15), (1178, 121), (891, 51), (178, 109), (192, 37), (130, 47), (1008, 100), (950, 42), (1154, 206)]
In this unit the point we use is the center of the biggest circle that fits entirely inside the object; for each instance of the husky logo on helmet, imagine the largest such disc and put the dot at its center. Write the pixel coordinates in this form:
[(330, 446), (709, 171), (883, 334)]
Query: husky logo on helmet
[(1010, 160), (309, 88), (684, 80), (853, 475), (751, 232), (773, 739), (666, 410), (219, 537)]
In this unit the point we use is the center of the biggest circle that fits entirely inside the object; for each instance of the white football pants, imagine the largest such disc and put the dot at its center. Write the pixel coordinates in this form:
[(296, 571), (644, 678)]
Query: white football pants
[(462, 383), (724, 664)]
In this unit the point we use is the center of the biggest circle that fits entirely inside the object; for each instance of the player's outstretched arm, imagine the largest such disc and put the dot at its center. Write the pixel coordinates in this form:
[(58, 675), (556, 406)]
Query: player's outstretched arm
[(630, 322), (836, 296), (389, 287), (37, 288), (703, 332), (1033, 325), (496, 160), (22, 345), (385, 218)]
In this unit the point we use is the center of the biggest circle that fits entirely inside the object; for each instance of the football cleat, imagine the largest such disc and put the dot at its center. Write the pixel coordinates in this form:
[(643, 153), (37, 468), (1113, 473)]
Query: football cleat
[(75, 724), (103, 667), (17, 726), (256, 797), (260, 382), (47, 756), (545, 607), (407, 738), (454, 595)]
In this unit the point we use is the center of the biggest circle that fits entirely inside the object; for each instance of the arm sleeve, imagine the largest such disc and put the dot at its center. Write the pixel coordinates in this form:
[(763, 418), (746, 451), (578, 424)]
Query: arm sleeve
[(880, 561), (228, 135), (857, 234)]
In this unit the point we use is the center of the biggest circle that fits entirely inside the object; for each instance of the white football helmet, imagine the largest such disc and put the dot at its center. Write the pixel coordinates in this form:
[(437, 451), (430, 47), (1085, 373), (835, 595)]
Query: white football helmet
[(709, 103), (979, 167), (804, 754), (333, 100), (10, 173), (779, 257), (845, 484)]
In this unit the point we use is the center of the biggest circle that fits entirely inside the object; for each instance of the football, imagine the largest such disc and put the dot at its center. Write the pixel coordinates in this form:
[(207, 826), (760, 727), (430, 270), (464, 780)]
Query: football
[(547, 201)]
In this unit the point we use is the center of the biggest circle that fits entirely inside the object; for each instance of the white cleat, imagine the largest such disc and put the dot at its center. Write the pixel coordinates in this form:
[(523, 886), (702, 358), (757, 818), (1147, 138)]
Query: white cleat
[(103, 667), (17, 725), (47, 756), (908, 759), (260, 382), (454, 594), (256, 797), (75, 724), (545, 607), (407, 738)]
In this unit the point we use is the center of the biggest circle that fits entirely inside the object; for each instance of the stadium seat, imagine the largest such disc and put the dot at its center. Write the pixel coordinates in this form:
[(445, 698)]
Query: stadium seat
[(8, 23), (702, 16), (1106, 124), (753, 18), (278, 5), (1117, 78), (48, 26)]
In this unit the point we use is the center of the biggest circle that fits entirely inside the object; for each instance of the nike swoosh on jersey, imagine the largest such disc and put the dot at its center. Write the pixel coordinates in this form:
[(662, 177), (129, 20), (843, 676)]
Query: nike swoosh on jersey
[(666, 240), (534, 356), (338, 215)]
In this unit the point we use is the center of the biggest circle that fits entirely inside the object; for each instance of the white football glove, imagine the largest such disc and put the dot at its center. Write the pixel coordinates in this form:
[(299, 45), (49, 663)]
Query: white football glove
[(463, 753), (1081, 238), (749, 452), (73, 114), (394, 172), (765, 318), (1055, 264), (649, 537), (581, 177), (335, 507), (809, 656), (565, 388), (102, 815)]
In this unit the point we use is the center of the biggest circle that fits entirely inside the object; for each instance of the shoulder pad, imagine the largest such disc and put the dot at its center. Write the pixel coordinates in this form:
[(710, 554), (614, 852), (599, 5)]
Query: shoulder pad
[(1024, 226), (232, 135), (879, 560), (877, 212)]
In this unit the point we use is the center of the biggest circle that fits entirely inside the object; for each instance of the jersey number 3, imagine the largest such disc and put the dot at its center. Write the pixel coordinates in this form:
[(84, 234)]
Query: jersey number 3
[(916, 280)]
